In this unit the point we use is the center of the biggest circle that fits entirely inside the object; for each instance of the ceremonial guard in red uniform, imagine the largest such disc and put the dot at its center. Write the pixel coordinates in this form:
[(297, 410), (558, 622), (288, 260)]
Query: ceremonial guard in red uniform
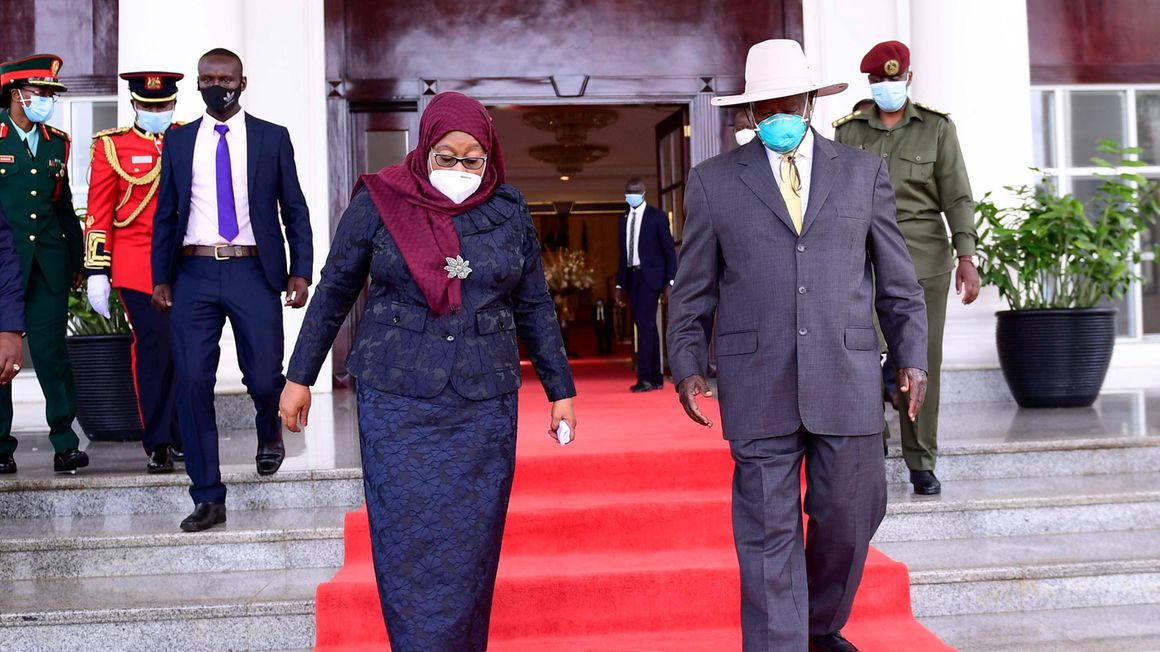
[(123, 182)]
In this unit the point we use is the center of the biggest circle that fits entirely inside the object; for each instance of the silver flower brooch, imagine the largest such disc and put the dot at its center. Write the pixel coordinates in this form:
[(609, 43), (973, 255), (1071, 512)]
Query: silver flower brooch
[(457, 267)]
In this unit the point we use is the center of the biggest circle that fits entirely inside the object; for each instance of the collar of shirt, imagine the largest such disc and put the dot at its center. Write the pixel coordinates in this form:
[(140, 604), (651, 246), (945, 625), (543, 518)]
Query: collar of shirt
[(910, 113), (236, 123), (31, 137), (805, 165)]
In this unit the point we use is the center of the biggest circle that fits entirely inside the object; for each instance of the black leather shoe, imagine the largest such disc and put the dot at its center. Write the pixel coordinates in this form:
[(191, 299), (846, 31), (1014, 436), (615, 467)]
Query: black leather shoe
[(177, 454), (639, 387), (925, 484), (645, 387), (69, 461), (831, 643), (203, 517), (270, 456), (160, 460), (7, 465)]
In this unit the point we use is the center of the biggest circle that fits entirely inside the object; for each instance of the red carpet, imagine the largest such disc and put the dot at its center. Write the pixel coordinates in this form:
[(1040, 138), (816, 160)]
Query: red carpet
[(619, 542)]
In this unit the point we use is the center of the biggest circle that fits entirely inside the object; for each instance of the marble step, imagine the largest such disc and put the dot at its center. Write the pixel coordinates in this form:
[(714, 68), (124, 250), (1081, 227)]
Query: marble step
[(1029, 573), (92, 494), (256, 610), (148, 544), (1097, 629), (969, 509)]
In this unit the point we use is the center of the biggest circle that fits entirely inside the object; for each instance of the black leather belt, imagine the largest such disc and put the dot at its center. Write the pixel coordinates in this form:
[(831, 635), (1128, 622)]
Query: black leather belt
[(220, 252)]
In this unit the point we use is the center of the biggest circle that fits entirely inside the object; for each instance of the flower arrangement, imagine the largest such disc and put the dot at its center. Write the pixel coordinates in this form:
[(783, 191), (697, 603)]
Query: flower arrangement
[(567, 272)]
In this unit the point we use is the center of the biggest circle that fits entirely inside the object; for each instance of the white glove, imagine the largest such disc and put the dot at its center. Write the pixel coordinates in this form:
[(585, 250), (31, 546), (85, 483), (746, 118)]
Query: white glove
[(98, 291)]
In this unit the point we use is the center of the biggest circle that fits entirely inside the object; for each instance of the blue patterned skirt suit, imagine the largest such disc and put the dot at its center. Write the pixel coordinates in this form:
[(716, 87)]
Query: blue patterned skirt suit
[(437, 408)]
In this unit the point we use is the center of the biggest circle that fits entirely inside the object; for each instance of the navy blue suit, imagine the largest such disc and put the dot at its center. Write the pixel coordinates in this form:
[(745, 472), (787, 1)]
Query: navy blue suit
[(11, 282), (245, 290), (644, 284), (437, 407)]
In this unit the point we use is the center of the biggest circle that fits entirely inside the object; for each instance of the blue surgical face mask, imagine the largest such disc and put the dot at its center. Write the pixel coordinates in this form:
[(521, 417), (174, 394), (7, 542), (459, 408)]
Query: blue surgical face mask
[(634, 200), (38, 109), (155, 122), (782, 132), (890, 96)]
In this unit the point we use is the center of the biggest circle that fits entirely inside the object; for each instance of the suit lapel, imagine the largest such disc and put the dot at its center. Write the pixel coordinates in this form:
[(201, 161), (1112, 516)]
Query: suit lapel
[(757, 174), (821, 179), (253, 150)]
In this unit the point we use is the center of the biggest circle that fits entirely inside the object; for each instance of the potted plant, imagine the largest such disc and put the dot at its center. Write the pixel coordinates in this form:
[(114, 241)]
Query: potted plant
[(1054, 259), (102, 360), (568, 276)]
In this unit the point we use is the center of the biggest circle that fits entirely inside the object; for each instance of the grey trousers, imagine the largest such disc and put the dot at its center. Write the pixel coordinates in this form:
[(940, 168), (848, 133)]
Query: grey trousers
[(791, 591)]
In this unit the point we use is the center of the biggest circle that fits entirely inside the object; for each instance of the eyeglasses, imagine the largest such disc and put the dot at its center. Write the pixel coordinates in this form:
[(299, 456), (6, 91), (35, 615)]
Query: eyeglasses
[(469, 162), (37, 92)]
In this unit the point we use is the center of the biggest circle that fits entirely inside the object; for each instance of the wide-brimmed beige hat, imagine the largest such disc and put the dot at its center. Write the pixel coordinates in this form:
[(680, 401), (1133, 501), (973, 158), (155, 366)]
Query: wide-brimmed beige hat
[(777, 68)]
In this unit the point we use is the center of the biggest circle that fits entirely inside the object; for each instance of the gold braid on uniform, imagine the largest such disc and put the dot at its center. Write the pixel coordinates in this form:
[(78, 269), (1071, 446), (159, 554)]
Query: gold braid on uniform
[(96, 257), (153, 177)]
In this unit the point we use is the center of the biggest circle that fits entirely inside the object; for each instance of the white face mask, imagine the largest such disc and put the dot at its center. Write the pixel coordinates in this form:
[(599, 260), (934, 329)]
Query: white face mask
[(456, 184), (743, 136)]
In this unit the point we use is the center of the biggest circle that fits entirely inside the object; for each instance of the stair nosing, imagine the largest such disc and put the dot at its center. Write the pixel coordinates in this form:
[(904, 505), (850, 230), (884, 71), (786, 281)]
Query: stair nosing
[(175, 539), (1034, 571), (226, 609)]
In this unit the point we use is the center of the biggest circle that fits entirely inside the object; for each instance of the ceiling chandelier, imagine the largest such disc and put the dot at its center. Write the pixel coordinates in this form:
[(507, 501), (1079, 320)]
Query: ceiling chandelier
[(570, 126)]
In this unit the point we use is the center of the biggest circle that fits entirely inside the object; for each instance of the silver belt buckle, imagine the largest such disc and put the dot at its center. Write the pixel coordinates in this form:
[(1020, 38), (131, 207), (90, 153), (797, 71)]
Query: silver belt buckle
[(218, 248)]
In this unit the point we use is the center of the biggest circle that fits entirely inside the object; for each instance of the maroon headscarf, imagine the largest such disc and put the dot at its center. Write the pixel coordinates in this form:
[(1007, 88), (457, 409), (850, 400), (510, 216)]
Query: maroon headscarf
[(417, 215)]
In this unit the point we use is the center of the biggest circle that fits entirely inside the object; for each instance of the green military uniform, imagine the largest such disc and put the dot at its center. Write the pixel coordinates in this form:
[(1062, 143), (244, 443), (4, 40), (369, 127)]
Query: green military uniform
[(35, 195), (930, 180)]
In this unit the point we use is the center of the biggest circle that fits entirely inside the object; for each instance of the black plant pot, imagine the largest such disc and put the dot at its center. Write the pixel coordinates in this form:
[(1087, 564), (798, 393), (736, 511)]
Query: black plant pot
[(106, 396), (1055, 358)]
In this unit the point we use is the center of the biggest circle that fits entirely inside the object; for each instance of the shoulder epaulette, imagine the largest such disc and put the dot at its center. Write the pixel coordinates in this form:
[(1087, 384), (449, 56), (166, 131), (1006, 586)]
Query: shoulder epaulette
[(58, 132), (932, 109), (844, 119), (115, 131)]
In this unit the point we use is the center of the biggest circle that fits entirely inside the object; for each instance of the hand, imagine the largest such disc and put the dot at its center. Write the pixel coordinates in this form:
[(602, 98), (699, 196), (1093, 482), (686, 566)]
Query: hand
[(162, 297), (913, 381), (11, 356), (294, 406), (688, 390), (668, 294), (98, 293), (78, 279), (297, 290), (621, 298), (562, 411), (967, 278)]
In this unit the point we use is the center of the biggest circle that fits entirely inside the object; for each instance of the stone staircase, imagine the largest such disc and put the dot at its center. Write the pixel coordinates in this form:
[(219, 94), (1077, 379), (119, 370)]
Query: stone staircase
[(1047, 533), (97, 562), (1046, 537)]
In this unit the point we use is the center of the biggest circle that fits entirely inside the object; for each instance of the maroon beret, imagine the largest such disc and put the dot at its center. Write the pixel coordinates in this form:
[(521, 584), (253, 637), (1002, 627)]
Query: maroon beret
[(886, 59)]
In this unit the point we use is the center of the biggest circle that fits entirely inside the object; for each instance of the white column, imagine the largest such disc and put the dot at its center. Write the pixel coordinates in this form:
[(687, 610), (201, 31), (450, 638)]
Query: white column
[(282, 47), (988, 92)]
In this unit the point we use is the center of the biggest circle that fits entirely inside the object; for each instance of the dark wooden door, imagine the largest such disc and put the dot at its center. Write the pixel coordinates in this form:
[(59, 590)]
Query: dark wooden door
[(672, 142)]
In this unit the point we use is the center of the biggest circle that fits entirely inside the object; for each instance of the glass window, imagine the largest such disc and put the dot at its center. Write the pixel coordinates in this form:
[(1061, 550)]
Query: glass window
[(1150, 288), (1096, 115), (1043, 127), (1148, 125)]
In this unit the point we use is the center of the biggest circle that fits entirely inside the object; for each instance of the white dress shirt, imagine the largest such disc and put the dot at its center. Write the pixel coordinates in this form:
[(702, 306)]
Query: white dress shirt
[(805, 165), (631, 237), (203, 213)]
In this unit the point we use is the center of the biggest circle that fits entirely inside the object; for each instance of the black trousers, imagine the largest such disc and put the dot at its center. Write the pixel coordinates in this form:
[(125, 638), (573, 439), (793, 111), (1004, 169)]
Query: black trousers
[(152, 370), (205, 293), (643, 302)]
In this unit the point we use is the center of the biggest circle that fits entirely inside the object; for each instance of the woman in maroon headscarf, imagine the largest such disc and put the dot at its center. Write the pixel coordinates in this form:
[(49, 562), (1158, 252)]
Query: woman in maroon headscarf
[(455, 273)]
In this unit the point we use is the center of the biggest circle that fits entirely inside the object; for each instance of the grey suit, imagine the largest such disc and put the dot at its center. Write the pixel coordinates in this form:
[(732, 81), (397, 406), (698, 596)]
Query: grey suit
[(798, 369)]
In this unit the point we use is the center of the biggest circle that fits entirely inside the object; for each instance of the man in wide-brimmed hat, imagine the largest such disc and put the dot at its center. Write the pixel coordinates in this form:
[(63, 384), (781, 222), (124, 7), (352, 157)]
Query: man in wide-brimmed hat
[(791, 240)]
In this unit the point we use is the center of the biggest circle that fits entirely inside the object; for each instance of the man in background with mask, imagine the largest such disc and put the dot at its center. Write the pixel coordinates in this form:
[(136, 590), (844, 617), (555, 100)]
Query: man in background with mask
[(648, 264), (743, 130), (792, 242), (124, 175), (921, 150), (35, 195), (219, 253)]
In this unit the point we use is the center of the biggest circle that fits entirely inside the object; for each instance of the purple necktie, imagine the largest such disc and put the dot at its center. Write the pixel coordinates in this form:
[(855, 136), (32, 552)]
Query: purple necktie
[(227, 211)]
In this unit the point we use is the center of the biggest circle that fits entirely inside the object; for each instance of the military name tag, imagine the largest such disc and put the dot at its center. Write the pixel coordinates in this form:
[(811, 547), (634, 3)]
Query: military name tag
[(6, 158), (142, 159)]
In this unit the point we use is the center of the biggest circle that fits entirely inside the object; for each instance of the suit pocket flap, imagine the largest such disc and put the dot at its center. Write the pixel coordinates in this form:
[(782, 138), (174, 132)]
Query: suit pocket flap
[(737, 343), (919, 157), (403, 315), (861, 339), (494, 321)]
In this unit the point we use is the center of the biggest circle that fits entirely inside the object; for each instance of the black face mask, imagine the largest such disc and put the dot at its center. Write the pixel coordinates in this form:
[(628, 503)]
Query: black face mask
[(219, 99)]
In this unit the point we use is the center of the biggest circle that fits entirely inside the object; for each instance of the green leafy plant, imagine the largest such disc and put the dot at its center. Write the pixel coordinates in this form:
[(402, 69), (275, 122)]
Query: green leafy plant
[(1051, 251), (83, 320)]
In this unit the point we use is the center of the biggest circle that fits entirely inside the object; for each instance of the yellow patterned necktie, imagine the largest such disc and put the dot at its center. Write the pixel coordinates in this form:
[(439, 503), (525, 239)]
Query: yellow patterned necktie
[(791, 187)]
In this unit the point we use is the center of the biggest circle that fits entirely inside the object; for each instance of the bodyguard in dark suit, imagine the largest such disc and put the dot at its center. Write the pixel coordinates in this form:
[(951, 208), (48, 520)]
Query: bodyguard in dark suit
[(792, 240), (648, 264), (218, 253), (34, 192), (11, 306)]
